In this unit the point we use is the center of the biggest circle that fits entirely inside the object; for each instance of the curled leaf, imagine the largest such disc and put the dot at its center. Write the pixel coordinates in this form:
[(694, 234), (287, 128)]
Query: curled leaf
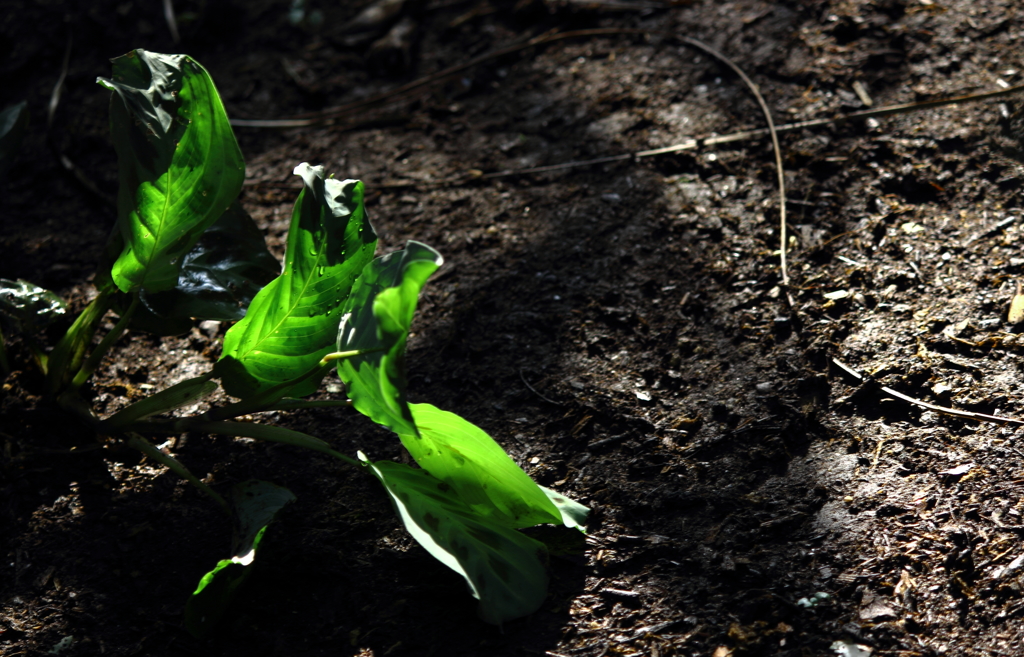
[(376, 320), (179, 164)]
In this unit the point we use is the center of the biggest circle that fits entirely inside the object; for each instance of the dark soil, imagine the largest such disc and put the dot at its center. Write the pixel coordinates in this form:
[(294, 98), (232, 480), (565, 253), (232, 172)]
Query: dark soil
[(619, 329)]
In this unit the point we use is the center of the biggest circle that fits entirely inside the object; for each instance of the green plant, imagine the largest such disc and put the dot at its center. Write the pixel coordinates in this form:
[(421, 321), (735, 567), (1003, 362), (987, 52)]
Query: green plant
[(333, 306)]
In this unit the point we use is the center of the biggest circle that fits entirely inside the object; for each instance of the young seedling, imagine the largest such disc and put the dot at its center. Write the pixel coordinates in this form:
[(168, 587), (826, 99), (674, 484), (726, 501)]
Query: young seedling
[(184, 249)]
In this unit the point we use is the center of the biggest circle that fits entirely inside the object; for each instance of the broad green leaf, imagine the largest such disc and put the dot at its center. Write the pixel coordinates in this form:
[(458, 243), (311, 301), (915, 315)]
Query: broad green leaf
[(463, 456), (504, 568), (13, 121), (376, 319), (179, 164), (256, 504), (292, 322), (25, 307), (219, 277)]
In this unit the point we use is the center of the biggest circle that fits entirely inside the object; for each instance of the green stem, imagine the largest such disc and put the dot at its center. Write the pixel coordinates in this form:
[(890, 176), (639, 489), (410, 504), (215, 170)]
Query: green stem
[(150, 450), (166, 400), (108, 341), (39, 356), (67, 356), (297, 404), (341, 355), (263, 432), (267, 400)]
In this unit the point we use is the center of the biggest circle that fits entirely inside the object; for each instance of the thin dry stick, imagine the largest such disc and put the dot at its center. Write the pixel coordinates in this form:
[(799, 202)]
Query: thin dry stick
[(710, 140), (534, 390), (332, 114), (775, 147), (980, 417), (51, 112), (551, 38), (172, 22)]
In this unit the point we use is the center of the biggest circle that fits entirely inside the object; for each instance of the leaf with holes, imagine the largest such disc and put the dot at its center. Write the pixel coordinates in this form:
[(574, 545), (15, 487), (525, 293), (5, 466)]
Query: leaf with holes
[(292, 322)]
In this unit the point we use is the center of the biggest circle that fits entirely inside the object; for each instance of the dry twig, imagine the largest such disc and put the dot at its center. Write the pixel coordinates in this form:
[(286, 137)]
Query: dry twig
[(970, 415)]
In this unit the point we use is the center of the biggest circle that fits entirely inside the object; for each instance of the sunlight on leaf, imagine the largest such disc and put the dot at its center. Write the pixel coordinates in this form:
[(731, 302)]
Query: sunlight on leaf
[(179, 164), (219, 277), (504, 568), (463, 456), (376, 319), (292, 322), (25, 307)]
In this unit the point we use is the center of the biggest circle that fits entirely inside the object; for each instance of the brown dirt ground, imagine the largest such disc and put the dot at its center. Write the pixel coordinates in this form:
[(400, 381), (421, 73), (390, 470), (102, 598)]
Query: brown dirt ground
[(619, 329)]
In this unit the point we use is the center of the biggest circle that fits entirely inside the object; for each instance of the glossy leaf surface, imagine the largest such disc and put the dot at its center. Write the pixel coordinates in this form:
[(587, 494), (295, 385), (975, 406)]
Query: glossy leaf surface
[(25, 307), (462, 455), (293, 321), (504, 568), (179, 164), (219, 277), (377, 317), (256, 504)]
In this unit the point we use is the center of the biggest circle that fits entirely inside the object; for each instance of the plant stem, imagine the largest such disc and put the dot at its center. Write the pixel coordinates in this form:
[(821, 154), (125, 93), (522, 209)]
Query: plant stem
[(261, 401), (68, 354), (150, 450), (296, 404), (267, 400), (264, 432), (168, 399), (109, 339), (340, 355)]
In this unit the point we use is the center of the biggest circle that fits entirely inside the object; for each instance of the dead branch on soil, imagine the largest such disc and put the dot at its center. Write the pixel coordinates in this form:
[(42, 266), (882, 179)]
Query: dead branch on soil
[(970, 415), (51, 111), (331, 116), (705, 141)]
